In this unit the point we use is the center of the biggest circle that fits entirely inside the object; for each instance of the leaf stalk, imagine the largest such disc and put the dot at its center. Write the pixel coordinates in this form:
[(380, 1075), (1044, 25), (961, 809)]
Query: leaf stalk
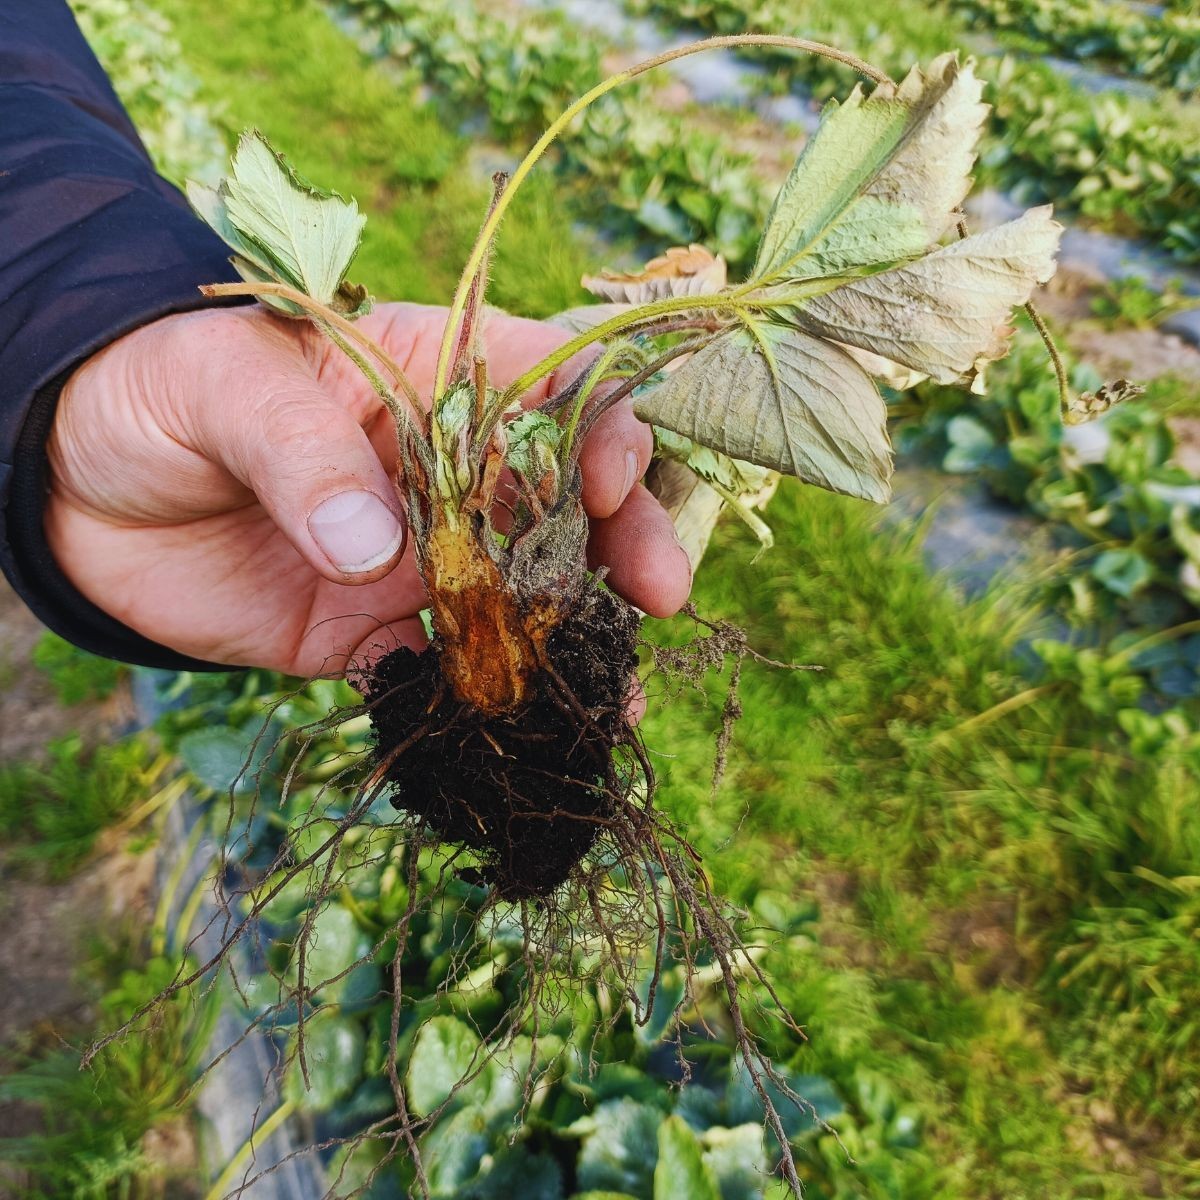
[(504, 198)]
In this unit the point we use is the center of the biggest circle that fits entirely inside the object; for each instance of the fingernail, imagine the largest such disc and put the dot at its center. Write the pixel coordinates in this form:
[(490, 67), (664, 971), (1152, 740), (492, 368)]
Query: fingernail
[(356, 531), (632, 471)]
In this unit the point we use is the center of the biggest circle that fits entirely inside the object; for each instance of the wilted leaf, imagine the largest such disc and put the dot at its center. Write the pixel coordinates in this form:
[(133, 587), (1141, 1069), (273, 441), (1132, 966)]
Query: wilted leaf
[(808, 410), (284, 229), (694, 271), (586, 316), (893, 374), (945, 314), (741, 485), (693, 505), (880, 180), (1089, 405)]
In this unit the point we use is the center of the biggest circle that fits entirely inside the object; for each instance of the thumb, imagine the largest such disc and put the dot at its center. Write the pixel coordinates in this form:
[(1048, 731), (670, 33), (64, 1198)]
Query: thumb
[(312, 467)]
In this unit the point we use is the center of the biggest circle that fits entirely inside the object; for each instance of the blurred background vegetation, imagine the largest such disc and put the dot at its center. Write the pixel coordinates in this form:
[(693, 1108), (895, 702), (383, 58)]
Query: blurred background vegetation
[(975, 831)]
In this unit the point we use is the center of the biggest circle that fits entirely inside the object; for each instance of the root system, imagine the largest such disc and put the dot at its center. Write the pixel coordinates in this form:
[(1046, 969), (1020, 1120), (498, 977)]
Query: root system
[(551, 808), (529, 791)]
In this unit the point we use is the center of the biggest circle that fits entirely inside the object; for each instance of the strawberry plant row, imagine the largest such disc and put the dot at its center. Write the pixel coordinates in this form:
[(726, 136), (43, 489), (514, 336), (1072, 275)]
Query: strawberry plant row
[(654, 174), (144, 61), (1112, 492), (1161, 47), (1125, 163)]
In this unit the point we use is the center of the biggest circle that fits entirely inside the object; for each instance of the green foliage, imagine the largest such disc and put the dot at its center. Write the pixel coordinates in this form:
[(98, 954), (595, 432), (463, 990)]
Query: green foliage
[(309, 89), (1128, 163), (51, 815), (983, 926), (1111, 492), (1130, 300), (1164, 48), (638, 167), (143, 59), (872, 768), (284, 229), (75, 674), (93, 1123)]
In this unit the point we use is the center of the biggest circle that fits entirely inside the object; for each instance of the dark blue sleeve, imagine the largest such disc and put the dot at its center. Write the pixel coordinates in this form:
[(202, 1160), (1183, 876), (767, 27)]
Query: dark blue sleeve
[(93, 243)]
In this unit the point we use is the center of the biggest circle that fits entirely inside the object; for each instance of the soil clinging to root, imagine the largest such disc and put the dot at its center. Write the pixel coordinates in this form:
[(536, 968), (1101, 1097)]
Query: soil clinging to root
[(529, 791)]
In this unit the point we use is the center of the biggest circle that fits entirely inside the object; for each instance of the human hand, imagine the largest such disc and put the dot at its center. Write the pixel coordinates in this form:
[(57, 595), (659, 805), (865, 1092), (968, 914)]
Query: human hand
[(222, 483)]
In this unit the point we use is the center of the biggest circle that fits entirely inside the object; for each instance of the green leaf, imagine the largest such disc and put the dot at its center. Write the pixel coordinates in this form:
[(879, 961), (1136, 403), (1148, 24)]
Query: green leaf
[(517, 1173), (1123, 571), (284, 229), (444, 1053), (601, 1196), (784, 400), (971, 443), (216, 757), (668, 995), (621, 1148), (681, 1169), (586, 316), (738, 1158), (881, 178), (817, 1094), (741, 485), (336, 941), (533, 439), (453, 1150), (334, 1048), (617, 1080), (945, 314)]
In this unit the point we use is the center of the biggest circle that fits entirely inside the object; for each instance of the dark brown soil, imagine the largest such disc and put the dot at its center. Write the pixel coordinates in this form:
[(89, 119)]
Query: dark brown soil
[(529, 791)]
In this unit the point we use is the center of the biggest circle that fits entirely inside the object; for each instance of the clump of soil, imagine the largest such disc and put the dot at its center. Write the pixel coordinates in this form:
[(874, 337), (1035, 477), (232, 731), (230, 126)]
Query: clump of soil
[(529, 791)]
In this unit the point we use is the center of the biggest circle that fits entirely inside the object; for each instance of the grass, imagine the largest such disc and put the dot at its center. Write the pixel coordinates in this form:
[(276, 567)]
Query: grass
[(51, 816), (348, 124), (1004, 906), (97, 1130), (74, 674), (1007, 905)]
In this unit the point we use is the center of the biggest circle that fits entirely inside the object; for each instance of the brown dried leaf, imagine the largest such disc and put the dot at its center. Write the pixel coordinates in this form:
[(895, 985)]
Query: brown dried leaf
[(1089, 405), (693, 271)]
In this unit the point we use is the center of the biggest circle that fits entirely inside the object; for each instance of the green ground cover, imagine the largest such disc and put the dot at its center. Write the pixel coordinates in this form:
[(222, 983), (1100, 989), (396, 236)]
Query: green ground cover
[(1126, 38), (380, 143), (1125, 162), (983, 866)]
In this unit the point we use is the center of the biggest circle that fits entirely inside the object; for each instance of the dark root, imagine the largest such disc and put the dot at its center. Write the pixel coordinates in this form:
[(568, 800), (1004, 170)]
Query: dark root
[(528, 791)]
